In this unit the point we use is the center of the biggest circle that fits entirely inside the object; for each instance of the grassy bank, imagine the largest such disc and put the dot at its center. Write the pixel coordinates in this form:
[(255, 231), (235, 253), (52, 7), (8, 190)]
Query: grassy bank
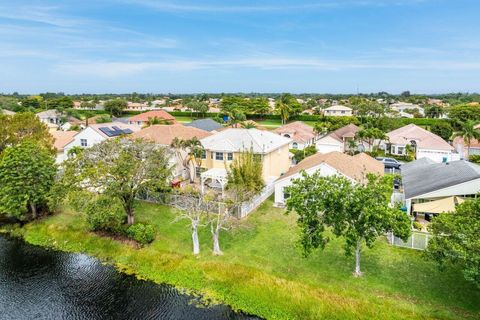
[(263, 273)]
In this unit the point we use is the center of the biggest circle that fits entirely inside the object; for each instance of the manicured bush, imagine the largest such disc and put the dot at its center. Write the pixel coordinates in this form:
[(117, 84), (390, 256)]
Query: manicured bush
[(142, 233), (105, 214)]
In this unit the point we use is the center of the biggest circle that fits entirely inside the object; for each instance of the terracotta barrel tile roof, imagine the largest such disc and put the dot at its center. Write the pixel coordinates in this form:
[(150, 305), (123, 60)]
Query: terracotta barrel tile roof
[(164, 134), (160, 114)]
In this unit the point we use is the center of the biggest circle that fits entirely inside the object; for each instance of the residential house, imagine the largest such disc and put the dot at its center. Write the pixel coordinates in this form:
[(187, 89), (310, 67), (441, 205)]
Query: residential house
[(426, 180), (70, 122), (97, 133), (136, 106), (338, 140), (61, 140), (302, 135), (223, 147), (425, 143), (338, 111), (165, 134), (354, 168), (404, 107), (142, 118), (464, 150), (206, 125), (50, 117)]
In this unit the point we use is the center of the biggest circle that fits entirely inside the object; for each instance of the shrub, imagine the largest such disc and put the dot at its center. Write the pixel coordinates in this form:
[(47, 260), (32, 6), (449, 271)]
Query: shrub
[(142, 233), (105, 214), (417, 225), (475, 158)]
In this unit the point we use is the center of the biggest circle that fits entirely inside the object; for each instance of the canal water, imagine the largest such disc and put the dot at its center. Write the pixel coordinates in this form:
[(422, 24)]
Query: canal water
[(36, 283)]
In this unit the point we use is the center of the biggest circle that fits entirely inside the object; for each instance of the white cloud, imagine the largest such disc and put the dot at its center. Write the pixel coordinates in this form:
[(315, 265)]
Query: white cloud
[(176, 6), (109, 69)]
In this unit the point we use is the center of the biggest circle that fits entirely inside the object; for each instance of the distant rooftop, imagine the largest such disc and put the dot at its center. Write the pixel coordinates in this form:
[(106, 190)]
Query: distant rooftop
[(205, 124)]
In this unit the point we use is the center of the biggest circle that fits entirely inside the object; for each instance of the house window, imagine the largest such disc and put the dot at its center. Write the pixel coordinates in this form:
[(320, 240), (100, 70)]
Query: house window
[(83, 142), (139, 123), (342, 112), (400, 150), (218, 155), (295, 145), (204, 154), (229, 156)]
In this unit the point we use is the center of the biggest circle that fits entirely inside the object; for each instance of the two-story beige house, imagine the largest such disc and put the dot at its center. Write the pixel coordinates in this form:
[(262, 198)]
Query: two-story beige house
[(223, 147)]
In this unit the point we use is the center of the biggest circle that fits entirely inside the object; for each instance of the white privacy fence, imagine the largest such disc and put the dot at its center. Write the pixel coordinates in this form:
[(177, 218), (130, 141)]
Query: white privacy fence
[(251, 205), (418, 240)]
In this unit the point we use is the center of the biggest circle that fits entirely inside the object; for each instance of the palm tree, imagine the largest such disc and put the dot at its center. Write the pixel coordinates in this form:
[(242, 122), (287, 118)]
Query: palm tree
[(284, 110), (193, 158), (468, 132)]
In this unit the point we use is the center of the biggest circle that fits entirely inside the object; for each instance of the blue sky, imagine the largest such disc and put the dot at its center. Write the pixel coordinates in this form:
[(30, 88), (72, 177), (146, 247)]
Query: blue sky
[(428, 46)]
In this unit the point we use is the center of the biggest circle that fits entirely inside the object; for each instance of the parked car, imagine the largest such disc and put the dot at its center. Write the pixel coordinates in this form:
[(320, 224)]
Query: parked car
[(390, 163)]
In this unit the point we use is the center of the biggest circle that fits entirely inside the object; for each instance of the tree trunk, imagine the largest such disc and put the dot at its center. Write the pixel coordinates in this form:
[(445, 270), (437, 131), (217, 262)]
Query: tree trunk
[(34, 210), (216, 241), (357, 272), (130, 216), (196, 243)]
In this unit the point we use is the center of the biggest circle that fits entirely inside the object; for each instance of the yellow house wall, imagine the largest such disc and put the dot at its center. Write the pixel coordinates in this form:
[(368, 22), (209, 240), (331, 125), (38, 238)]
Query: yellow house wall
[(275, 163)]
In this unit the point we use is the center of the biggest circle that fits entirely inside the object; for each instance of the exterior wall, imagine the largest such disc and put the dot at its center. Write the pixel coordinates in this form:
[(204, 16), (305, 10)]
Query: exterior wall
[(328, 144), (463, 150), (280, 185), (435, 155), (48, 120), (432, 154), (338, 113), (88, 134), (275, 163)]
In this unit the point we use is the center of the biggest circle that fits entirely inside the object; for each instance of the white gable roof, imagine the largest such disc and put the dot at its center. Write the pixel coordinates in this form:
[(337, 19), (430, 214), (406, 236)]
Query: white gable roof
[(237, 140)]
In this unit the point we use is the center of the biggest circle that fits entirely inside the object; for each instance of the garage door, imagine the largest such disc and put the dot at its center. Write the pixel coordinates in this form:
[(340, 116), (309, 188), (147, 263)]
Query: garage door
[(326, 148)]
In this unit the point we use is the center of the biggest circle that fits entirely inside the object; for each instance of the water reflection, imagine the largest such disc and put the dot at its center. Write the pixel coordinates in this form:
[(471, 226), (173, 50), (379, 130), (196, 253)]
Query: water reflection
[(43, 284)]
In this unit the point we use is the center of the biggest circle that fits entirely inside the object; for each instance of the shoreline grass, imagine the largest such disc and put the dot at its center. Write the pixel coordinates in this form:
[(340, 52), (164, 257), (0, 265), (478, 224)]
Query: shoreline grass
[(262, 271)]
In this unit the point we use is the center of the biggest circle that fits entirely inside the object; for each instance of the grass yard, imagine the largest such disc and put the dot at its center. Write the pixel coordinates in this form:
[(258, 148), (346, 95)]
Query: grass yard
[(262, 271)]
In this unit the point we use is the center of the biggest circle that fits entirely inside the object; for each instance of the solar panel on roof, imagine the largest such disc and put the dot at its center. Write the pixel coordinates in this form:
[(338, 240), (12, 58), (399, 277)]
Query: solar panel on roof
[(127, 131), (116, 128), (107, 131)]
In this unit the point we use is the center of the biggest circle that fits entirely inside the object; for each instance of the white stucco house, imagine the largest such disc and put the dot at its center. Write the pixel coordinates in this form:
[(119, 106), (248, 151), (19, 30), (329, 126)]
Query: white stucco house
[(425, 143), (403, 107), (333, 163), (97, 133), (338, 140), (338, 111), (51, 116)]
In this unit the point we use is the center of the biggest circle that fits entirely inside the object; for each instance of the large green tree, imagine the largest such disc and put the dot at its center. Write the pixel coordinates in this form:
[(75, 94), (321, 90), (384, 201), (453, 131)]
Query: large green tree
[(120, 168), (23, 126), (456, 239), (27, 173), (358, 212), (116, 106), (442, 129)]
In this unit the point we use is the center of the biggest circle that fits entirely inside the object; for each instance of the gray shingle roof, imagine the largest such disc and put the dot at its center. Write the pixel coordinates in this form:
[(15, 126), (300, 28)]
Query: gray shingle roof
[(205, 124), (422, 176)]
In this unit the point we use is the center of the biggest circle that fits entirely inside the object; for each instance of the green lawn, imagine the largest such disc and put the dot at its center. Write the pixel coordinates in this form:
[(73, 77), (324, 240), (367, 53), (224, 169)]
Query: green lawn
[(262, 271)]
